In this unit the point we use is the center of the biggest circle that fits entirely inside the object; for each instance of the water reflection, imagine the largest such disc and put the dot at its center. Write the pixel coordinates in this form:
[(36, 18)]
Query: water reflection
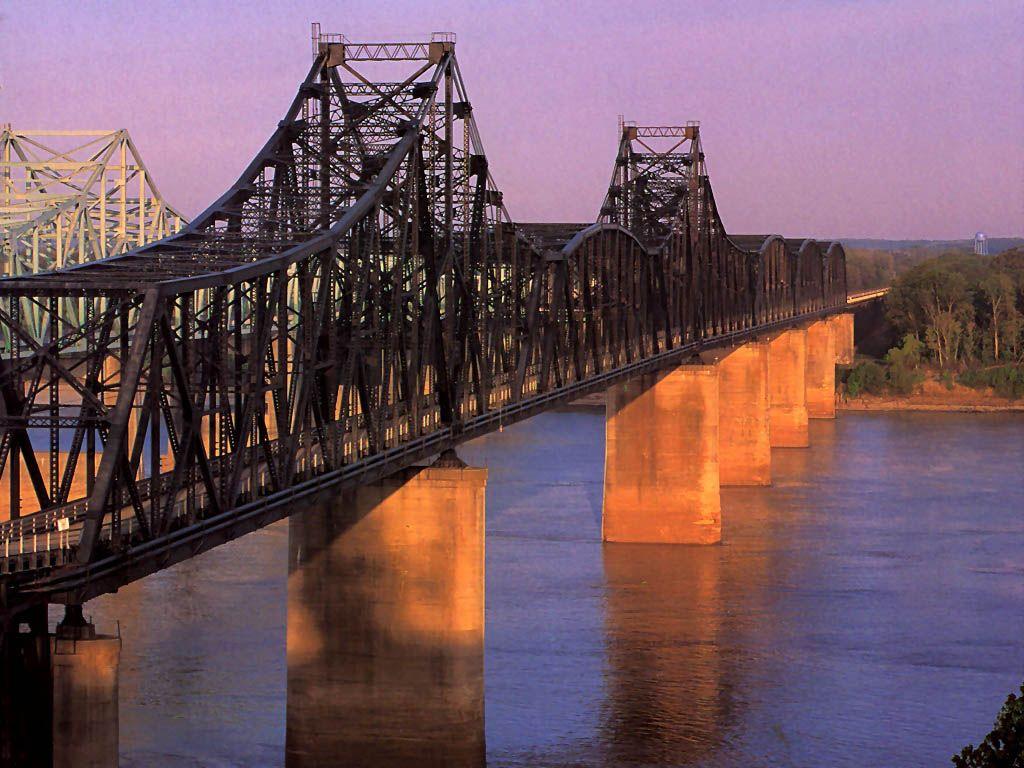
[(668, 661)]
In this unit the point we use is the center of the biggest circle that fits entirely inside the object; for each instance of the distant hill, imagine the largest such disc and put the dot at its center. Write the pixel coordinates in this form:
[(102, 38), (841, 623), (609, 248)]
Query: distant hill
[(995, 244)]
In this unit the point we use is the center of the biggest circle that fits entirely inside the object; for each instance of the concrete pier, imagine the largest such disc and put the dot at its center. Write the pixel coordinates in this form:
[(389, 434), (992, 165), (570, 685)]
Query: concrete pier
[(85, 694), (821, 370), (787, 366), (842, 327), (744, 447), (386, 624), (661, 476)]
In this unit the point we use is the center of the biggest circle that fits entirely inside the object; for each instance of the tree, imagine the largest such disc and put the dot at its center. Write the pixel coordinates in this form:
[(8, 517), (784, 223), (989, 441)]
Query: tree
[(998, 291), (1004, 746), (965, 308), (933, 301), (904, 361)]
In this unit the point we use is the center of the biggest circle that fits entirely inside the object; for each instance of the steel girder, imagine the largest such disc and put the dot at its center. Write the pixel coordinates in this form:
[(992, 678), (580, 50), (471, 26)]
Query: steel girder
[(357, 301)]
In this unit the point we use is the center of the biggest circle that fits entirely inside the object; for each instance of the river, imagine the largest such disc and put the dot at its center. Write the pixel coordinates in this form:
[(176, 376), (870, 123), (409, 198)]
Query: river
[(865, 610)]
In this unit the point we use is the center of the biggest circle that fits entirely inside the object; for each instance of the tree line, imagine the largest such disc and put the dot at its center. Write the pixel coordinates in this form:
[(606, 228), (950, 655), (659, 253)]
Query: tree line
[(965, 309), (960, 315)]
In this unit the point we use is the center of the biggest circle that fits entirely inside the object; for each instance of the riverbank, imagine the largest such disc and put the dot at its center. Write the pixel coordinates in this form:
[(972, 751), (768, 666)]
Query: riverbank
[(932, 395)]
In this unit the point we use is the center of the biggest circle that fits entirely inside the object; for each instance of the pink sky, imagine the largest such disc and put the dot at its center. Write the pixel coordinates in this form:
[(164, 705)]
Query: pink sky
[(869, 118)]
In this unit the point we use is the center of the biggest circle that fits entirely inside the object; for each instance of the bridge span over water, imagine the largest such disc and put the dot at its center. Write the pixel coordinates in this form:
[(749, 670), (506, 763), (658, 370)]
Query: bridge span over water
[(360, 301)]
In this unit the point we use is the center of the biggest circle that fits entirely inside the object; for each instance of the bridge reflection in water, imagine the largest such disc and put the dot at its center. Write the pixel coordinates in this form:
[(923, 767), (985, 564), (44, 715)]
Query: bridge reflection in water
[(667, 651)]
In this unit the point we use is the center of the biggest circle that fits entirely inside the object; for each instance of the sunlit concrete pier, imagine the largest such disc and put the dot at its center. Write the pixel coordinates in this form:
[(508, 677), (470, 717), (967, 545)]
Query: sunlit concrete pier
[(386, 623), (674, 438)]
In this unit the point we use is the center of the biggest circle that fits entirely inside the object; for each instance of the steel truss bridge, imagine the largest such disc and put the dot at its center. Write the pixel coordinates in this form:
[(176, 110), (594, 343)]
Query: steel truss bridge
[(68, 197), (359, 300)]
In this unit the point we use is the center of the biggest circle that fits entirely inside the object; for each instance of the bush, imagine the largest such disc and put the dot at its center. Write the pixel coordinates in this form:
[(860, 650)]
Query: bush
[(866, 377), (1004, 746), (902, 380), (903, 362), (908, 354), (975, 378), (1006, 380)]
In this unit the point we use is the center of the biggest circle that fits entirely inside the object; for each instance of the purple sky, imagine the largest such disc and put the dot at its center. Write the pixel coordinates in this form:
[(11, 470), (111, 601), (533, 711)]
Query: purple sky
[(868, 118)]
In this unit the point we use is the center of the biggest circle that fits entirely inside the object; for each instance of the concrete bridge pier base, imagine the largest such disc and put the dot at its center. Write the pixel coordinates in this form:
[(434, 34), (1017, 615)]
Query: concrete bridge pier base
[(744, 446), (787, 368), (842, 328), (661, 476), (821, 370), (386, 623), (85, 694)]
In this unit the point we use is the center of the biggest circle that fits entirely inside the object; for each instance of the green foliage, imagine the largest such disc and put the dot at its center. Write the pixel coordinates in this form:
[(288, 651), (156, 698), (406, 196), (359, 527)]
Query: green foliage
[(1004, 746), (947, 379), (903, 380), (868, 268), (866, 377), (904, 361), (1006, 380), (908, 354), (966, 310)]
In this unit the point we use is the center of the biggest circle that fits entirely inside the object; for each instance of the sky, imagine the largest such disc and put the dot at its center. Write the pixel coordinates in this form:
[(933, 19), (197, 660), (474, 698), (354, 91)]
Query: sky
[(823, 118)]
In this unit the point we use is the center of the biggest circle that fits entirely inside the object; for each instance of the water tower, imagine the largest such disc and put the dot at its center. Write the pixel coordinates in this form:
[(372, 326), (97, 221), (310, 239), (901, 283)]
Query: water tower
[(980, 244)]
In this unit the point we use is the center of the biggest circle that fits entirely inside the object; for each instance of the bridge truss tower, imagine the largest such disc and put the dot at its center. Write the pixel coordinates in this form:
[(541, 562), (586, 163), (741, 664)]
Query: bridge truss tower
[(658, 169)]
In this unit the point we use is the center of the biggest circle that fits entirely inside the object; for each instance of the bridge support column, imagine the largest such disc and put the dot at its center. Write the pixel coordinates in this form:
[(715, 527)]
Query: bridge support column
[(787, 366), (85, 691), (386, 623), (744, 446), (842, 327), (661, 458), (821, 370)]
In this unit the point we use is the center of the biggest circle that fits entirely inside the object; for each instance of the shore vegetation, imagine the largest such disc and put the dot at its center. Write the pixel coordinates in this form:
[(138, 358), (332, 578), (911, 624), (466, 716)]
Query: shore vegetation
[(960, 320)]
